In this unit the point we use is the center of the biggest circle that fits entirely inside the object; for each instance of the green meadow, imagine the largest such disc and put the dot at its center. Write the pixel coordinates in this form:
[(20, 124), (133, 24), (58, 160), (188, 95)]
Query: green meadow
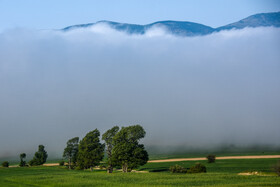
[(221, 173)]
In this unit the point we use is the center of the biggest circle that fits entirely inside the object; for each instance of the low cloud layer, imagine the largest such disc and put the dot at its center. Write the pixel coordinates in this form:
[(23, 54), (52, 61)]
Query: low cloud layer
[(203, 91)]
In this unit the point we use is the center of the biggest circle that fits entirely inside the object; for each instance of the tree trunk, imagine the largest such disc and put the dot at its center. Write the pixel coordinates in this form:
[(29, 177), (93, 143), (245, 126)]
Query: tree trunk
[(110, 169), (124, 167), (69, 164)]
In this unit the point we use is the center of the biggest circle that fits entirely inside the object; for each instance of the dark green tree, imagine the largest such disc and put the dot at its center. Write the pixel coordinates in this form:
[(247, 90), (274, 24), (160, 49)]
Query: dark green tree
[(108, 138), (211, 158), (91, 151), (22, 162), (71, 151), (127, 152), (5, 164), (40, 156)]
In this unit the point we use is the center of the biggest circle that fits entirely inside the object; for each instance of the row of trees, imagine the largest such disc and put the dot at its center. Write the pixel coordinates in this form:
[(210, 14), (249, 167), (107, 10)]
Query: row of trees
[(122, 147), (40, 157)]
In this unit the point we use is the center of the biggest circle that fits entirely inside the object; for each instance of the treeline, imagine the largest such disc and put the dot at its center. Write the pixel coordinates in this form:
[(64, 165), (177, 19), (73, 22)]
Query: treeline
[(122, 148)]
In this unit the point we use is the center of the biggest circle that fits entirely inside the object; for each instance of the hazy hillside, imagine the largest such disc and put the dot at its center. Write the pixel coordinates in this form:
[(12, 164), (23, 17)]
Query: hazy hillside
[(184, 28)]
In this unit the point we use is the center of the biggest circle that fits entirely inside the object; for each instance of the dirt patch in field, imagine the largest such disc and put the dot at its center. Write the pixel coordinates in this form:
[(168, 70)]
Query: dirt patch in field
[(51, 164), (217, 158), (254, 173)]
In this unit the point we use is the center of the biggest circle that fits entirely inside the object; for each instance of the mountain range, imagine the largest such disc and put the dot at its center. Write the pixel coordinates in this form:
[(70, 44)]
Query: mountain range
[(185, 28)]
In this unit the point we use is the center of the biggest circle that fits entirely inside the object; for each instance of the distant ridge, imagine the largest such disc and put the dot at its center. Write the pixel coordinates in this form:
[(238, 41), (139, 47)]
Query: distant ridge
[(184, 28)]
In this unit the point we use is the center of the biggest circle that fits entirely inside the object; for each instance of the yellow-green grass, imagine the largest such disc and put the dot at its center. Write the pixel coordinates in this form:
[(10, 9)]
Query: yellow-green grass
[(221, 173)]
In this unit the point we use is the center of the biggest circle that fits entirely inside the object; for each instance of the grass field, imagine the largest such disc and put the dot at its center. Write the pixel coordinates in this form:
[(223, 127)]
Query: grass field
[(195, 155), (221, 173)]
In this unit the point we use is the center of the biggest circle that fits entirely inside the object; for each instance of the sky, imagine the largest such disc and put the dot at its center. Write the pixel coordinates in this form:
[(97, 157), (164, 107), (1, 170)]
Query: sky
[(53, 14), (200, 92)]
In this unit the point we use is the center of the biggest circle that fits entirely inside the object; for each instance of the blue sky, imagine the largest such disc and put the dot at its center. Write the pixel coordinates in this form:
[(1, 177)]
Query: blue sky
[(54, 14)]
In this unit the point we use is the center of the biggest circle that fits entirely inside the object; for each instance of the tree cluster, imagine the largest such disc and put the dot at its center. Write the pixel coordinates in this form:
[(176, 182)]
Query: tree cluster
[(40, 157), (122, 148)]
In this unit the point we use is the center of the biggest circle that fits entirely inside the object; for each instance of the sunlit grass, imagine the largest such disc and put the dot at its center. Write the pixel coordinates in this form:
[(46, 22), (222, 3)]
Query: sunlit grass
[(221, 173)]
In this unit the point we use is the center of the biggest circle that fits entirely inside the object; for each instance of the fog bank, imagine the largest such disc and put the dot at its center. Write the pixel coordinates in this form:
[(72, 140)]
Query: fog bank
[(203, 91)]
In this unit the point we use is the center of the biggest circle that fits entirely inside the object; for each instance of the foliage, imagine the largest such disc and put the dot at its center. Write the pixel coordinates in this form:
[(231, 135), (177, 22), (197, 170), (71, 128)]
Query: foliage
[(211, 158), (108, 138), (91, 151), (197, 168), (61, 163), (177, 169), (71, 151), (40, 157), (103, 166), (127, 152), (276, 168), (22, 162), (5, 164)]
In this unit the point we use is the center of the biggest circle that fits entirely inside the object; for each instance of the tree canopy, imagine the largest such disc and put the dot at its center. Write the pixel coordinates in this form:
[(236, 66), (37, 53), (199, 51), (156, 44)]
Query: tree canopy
[(108, 138), (91, 151), (71, 151), (127, 152), (22, 162), (40, 156)]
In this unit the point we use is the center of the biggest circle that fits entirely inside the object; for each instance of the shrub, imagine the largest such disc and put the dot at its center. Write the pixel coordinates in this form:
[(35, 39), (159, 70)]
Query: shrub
[(197, 168), (61, 163), (277, 168), (5, 164), (211, 158), (177, 169)]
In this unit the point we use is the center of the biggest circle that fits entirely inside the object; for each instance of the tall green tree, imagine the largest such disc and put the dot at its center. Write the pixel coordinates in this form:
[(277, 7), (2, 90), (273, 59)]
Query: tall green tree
[(127, 152), (22, 162), (108, 138), (40, 156), (71, 151), (91, 151)]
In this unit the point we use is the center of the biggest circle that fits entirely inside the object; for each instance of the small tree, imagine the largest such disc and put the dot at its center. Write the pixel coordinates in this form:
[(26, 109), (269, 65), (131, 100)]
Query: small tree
[(40, 156), (22, 162), (211, 158), (91, 151), (5, 164), (71, 151), (127, 152), (108, 138)]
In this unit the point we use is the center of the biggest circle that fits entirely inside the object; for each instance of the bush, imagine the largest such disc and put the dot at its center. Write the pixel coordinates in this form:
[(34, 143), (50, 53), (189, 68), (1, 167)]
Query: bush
[(211, 158), (197, 168), (61, 163), (5, 164), (177, 169), (277, 168)]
